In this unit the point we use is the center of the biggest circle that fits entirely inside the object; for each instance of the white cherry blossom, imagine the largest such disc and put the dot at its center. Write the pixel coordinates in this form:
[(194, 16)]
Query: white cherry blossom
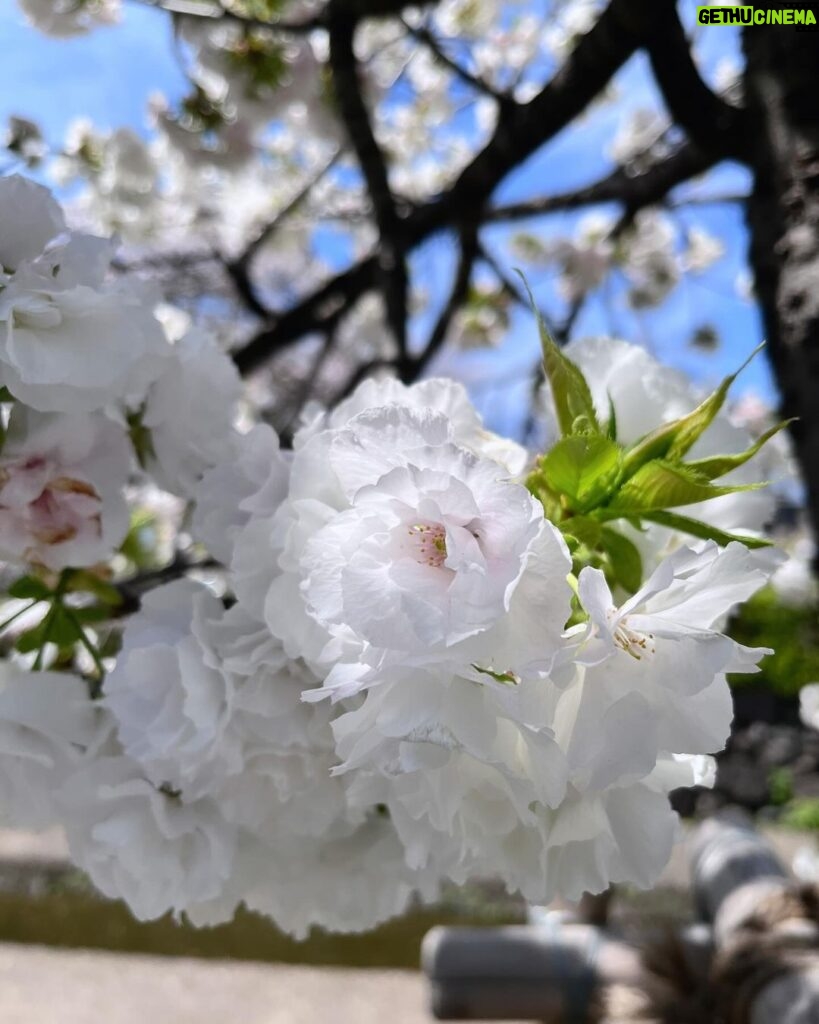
[(144, 844), (46, 722), (31, 218), (189, 411)]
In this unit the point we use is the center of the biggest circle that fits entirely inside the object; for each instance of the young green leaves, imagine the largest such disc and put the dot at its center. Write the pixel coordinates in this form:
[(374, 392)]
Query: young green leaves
[(64, 620), (588, 480), (574, 405)]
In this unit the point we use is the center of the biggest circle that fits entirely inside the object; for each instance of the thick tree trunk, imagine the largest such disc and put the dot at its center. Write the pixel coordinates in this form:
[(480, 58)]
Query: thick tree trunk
[(782, 97)]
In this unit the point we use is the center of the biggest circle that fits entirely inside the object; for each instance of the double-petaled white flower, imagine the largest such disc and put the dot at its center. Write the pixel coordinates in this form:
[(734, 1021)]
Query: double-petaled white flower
[(226, 496), (69, 341), (189, 411), (144, 843), (432, 544), (46, 723)]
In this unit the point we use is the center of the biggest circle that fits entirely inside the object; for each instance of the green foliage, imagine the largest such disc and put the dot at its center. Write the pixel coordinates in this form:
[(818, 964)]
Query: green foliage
[(77, 599), (574, 405), (704, 531), (802, 813), (589, 478), (792, 634), (260, 60), (780, 786), (30, 587), (140, 436), (583, 469), (71, 915), (659, 485), (139, 546), (673, 440), (625, 561), (719, 465)]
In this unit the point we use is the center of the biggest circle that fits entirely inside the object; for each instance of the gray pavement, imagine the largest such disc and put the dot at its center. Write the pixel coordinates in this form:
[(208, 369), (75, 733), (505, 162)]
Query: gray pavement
[(47, 986)]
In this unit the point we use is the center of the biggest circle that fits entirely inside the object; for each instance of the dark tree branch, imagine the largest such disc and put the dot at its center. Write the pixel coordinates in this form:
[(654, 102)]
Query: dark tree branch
[(132, 590), (392, 247), (310, 314), (714, 125), (522, 130), (633, 191)]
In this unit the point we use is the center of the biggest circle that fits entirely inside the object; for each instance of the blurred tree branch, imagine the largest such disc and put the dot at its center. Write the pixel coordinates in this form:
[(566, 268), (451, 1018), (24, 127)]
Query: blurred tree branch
[(712, 124), (391, 256), (523, 128)]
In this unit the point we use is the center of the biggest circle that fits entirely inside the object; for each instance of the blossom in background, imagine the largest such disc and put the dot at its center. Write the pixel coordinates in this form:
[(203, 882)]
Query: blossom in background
[(61, 489), (189, 412), (31, 217), (809, 705), (64, 18)]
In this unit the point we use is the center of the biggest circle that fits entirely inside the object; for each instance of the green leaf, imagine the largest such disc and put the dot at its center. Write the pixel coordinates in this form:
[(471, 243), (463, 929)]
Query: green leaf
[(140, 542), (625, 559), (685, 524), (91, 613), (62, 630), (611, 426), (140, 437), (584, 468), (84, 581), (660, 485), (507, 678), (30, 640), (719, 465), (29, 587), (696, 423), (672, 440), (539, 488), (582, 529), (574, 406), (58, 627)]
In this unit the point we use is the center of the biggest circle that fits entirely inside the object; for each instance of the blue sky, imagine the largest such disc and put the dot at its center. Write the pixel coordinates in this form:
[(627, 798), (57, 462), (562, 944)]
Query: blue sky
[(108, 76)]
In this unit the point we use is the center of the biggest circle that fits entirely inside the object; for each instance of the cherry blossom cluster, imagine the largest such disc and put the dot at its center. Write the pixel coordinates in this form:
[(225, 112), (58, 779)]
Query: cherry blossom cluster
[(257, 142), (407, 667)]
